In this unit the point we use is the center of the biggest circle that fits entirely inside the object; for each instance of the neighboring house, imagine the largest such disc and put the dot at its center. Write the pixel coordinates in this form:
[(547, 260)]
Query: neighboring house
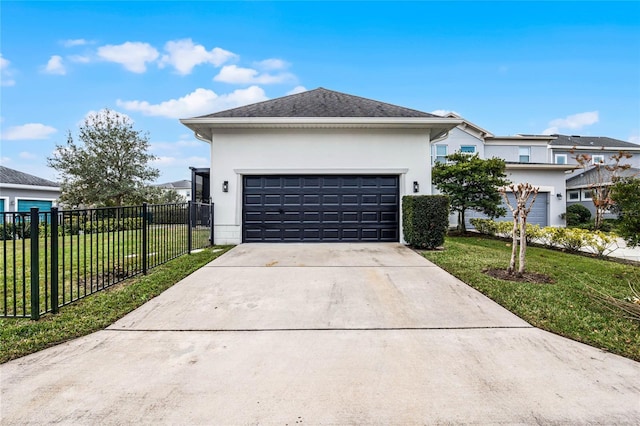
[(182, 187), (526, 162), (316, 166), (579, 186), (563, 150), (20, 191)]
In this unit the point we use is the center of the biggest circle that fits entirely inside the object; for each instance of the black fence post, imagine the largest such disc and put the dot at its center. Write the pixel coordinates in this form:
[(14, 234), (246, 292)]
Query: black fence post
[(211, 223), (189, 226), (54, 260), (35, 264), (145, 239)]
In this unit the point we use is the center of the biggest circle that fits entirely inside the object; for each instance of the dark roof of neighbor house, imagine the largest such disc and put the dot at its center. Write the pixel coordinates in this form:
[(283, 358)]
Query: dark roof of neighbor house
[(589, 177), (16, 177), (595, 141), (179, 184), (320, 102)]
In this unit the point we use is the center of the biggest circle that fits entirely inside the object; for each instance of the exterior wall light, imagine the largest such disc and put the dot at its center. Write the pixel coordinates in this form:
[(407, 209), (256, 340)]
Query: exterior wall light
[(559, 196), (225, 186), (416, 186)]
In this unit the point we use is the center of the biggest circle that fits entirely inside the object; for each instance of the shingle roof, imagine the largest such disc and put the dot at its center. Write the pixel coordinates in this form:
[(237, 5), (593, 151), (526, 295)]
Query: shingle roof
[(320, 102), (595, 141), (12, 176), (589, 177), (179, 184)]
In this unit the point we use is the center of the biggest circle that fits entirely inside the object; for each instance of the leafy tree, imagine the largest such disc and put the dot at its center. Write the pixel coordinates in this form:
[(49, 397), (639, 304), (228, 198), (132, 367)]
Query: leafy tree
[(626, 195), (600, 180), (155, 195), (471, 183), (110, 166)]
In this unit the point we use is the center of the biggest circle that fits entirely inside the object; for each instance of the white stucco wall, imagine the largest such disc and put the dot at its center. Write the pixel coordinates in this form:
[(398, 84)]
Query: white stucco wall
[(511, 151), (457, 138), (234, 153)]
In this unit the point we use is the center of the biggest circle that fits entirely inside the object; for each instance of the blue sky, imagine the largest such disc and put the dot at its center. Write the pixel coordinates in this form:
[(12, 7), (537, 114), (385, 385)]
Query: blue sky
[(509, 67)]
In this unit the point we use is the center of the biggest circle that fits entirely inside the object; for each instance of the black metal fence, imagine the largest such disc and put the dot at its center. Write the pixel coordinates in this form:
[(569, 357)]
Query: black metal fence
[(51, 259)]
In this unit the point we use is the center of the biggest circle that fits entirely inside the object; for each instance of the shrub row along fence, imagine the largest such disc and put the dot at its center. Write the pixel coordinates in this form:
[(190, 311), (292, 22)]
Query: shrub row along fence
[(52, 259)]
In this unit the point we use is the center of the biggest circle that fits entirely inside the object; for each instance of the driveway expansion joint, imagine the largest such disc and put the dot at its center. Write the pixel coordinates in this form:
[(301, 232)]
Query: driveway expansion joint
[(248, 330)]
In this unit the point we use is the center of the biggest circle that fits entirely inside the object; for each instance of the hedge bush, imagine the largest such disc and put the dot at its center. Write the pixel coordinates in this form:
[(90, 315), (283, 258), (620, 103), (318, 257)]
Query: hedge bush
[(577, 214), (425, 220)]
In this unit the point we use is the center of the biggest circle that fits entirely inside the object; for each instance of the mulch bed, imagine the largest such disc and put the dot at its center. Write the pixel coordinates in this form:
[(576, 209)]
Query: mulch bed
[(527, 277)]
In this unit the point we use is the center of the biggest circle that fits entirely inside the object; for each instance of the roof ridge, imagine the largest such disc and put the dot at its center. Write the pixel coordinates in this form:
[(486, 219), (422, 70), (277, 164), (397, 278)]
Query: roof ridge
[(320, 102)]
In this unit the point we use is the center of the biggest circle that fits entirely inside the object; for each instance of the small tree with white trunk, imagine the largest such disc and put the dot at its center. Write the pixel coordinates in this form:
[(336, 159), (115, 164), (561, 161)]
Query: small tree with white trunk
[(525, 195)]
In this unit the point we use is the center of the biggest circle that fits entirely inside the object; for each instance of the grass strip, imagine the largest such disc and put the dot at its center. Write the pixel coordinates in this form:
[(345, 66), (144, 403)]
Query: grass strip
[(20, 337), (572, 306)]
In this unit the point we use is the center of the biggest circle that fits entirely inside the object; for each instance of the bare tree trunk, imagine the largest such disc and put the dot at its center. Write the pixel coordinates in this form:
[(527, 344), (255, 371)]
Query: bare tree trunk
[(523, 244), (514, 244)]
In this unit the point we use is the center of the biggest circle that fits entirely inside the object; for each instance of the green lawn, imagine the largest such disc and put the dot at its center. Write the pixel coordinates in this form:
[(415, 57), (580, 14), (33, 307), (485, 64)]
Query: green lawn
[(567, 307), (20, 337), (85, 262)]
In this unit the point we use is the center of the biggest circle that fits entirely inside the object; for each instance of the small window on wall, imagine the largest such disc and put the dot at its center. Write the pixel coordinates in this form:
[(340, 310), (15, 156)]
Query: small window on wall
[(561, 159), (441, 153), (586, 194), (574, 195), (468, 149), (597, 159), (524, 154)]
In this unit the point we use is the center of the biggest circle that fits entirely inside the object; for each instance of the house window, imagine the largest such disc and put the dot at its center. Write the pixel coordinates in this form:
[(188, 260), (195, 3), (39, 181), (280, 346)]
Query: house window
[(586, 195), (524, 154), (468, 149), (574, 195), (597, 159), (441, 153), (561, 159)]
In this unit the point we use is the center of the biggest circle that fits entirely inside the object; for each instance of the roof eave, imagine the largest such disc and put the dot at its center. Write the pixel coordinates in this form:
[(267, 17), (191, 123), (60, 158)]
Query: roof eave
[(203, 127), (541, 166), (596, 147)]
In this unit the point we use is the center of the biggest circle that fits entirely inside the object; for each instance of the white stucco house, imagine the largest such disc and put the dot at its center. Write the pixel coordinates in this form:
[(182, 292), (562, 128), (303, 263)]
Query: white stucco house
[(20, 191), (316, 166), (527, 161)]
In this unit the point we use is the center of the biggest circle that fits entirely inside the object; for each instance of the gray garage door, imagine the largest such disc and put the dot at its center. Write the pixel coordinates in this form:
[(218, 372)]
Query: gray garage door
[(315, 208), (537, 216)]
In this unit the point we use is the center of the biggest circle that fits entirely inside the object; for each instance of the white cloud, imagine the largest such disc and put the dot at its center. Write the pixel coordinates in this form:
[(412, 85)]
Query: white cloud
[(83, 59), (572, 122), (74, 42), (28, 131), (238, 75), (634, 139), (183, 55), (27, 155), (131, 55), (272, 64), (199, 102), (297, 89), (5, 160), (6, 73), (443, 112), (55, 66)]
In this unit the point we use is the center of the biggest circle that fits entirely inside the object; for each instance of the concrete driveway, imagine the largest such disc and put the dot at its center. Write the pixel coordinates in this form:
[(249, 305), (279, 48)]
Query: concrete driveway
[(321, 334)]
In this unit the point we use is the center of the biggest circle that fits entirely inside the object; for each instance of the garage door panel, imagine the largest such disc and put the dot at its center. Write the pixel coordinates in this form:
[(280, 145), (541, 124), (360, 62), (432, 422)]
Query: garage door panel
[(320, 208), (537, 216)]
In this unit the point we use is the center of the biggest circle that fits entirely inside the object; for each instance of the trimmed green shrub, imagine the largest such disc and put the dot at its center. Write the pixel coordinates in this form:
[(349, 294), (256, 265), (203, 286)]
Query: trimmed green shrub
[(425, 220), (484, 226), (577, 214)]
